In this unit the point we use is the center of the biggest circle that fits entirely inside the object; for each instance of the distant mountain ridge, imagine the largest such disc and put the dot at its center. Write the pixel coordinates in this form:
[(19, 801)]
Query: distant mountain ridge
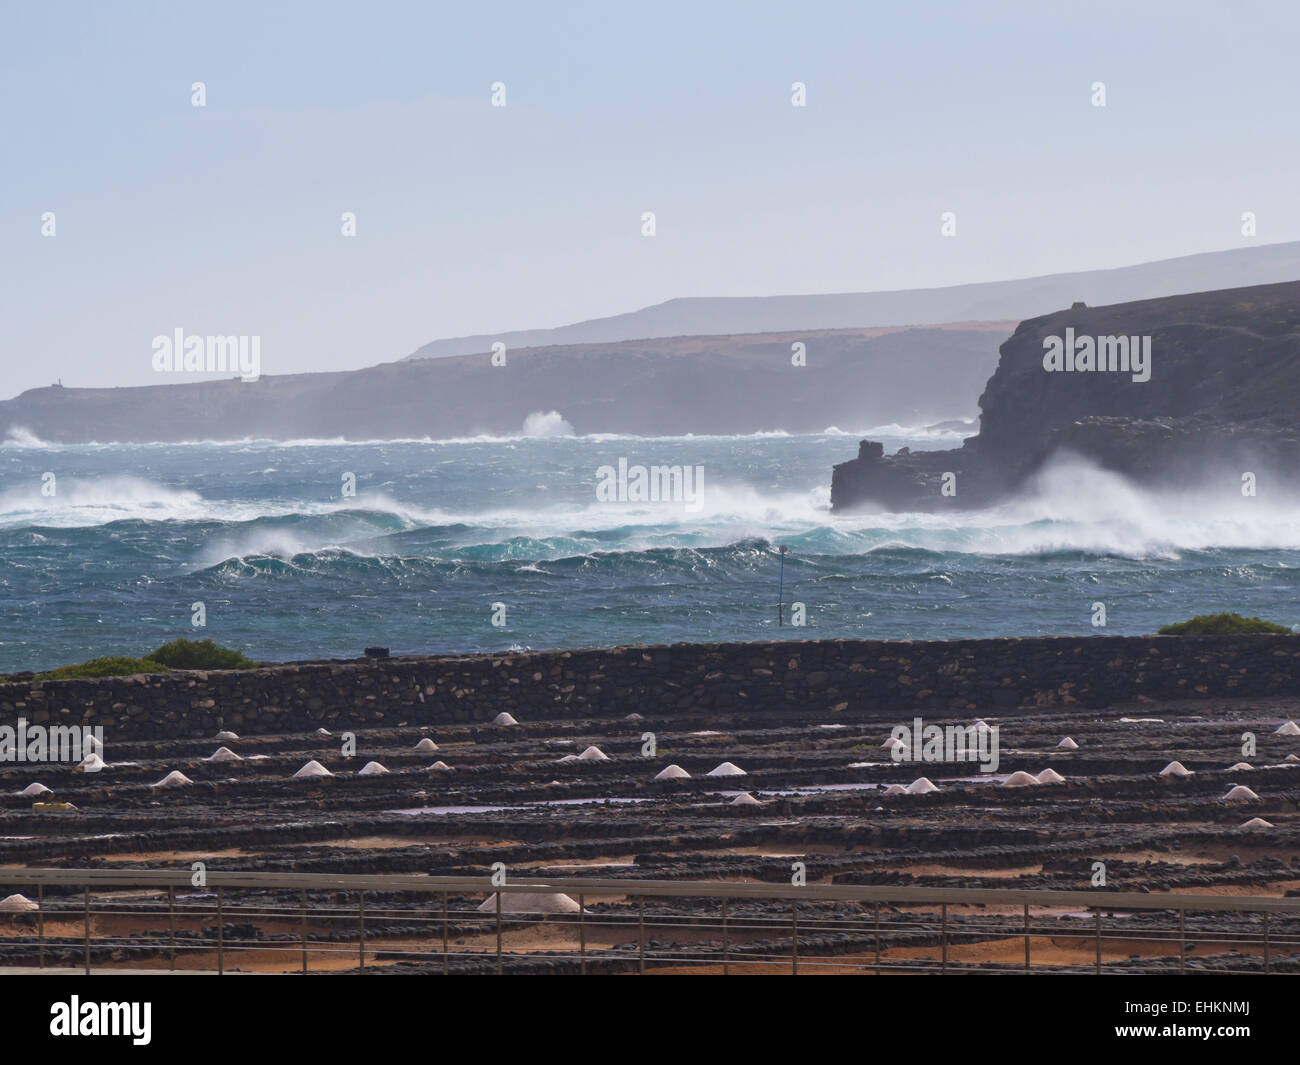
[(984, 301)]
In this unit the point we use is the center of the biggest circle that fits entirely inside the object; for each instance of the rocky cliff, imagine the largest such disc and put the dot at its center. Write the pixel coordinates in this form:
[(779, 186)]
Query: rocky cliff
[(1217, 396)]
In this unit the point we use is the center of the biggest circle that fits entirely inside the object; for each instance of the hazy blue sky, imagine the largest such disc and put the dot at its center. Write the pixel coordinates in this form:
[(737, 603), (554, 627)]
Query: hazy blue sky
[(226, 219)]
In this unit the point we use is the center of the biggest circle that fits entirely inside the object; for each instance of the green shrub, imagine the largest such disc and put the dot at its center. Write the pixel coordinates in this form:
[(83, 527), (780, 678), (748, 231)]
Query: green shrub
[(1223, 625), (106, 667), (200, 654)]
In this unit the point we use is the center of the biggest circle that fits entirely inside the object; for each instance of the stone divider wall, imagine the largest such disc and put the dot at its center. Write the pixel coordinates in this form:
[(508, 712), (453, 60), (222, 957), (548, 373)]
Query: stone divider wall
[(853, 677)]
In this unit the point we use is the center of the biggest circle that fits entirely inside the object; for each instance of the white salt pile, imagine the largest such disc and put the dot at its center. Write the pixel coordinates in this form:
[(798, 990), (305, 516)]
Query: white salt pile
[(1289, 729), (223, 754), (726, 769), (1175, 769), (1068, 744), (504, 719), (895, 789), (312, 769), (1141, 720), (1239, 767), (1292, 758), (93, 746), (893, 744), (1240, 794), (92, 763), (426, 746), (528, 902), (634, 717), (672, 772), (174, 779), (921, 786), (744, 799), (1257, 822), (17, 904), (225, 737), (981, 726), (1050, 776), (322, 732), (371, 769), (36, 788), (440, 767), (568, 758), (1020, 780), (593, 754)]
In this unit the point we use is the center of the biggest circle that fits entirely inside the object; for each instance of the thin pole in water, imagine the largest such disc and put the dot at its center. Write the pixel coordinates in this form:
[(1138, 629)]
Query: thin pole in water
[(780, 594)]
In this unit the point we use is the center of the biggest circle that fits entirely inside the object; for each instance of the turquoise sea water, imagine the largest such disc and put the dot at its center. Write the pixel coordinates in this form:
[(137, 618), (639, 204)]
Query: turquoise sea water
[(287, 567)]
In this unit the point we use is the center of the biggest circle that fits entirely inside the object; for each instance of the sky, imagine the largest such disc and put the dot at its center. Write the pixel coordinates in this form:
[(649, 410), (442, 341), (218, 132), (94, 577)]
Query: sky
[(226, 219)]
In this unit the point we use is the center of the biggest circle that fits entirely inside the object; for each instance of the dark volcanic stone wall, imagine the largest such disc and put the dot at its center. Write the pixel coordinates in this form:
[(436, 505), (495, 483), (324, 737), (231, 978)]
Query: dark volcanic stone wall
[(850, 677)]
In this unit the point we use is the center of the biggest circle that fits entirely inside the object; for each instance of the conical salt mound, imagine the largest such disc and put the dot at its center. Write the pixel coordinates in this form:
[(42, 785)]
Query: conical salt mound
[(322, 732), (726, 769), (504, 719), (567, 758), (174, 779), (634, 717), (1068, 744), (593, 754), (1175, 769), (527, 902), (17, 904), (672, 772), (371, 769), (225, 736), (440, 767), (921, 786), (312, 769), (223, 754), (1050, 776), (1257, 822), (1292, 758), (426, 746), (744, 799), (1020, 780), (981, 726), (1240, 794), (1240, 767), (36, 788), (893, 744), (92, 763), (895, 789), (1289, 729), (93, 745)]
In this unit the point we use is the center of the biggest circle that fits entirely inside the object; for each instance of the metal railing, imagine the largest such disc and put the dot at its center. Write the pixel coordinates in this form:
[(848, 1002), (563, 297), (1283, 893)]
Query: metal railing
[(317, 922)]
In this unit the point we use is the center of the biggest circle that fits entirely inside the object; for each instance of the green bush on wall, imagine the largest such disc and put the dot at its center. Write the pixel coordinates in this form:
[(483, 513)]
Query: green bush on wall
[(1223, 625)]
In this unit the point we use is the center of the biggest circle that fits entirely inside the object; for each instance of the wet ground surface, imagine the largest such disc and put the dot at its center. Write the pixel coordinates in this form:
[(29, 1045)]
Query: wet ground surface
[(510, 797)]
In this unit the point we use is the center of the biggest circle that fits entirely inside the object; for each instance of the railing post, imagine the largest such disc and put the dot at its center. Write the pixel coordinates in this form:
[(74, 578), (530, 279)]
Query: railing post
[(498, 931), (171, 927), (86, 891), (40, 924), (221, 936), (1182, 942), (943, 938), (794, 938), (582, 932), (640, 933), (1026, 937), (1266, 943), (302, 909), (726, 941), (446, 957), (361, 927), (1098, 940), (877, 938)]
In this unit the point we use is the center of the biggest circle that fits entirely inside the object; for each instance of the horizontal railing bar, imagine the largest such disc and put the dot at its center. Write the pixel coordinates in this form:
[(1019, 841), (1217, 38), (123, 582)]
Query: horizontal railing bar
[(401, 882)]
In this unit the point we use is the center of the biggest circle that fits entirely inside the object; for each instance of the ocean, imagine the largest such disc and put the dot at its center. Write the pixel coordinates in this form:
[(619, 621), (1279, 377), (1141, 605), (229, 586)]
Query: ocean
[(494, 544)]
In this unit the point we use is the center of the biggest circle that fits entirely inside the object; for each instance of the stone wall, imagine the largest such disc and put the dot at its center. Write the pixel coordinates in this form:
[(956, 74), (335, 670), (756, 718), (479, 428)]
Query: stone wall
[(871, 677)]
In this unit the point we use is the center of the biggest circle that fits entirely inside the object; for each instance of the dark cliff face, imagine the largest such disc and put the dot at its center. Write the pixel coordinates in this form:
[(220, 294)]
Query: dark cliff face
[(1222, 393), (719, 384)]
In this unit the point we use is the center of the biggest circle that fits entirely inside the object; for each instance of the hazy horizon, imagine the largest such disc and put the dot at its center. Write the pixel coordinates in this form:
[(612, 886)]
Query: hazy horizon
[(470, 218)]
